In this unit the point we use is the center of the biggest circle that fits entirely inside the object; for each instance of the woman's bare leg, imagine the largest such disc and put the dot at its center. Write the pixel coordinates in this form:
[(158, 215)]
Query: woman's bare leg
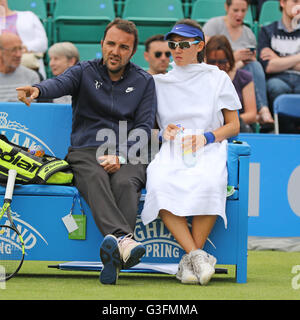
[(201, 228), (179, 228)]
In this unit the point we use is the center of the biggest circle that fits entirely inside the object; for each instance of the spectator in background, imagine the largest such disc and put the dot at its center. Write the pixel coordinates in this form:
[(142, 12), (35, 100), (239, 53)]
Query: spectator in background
[(279, 53), (242, 39), (157, 54), (13, 74), (63, 55), (219, 52), (29, 28)]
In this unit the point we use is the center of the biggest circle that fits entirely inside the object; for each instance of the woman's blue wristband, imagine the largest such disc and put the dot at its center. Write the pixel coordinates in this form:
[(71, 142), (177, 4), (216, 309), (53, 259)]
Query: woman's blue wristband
[(210, 137), (160, 135)]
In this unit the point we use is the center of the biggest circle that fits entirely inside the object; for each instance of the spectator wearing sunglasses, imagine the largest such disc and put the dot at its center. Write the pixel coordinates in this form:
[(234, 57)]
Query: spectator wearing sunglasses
[(219, 53), (157, 54), (202, 99)]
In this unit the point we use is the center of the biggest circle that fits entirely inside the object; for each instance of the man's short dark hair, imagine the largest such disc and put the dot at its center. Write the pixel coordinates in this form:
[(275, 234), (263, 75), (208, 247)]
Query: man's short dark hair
[(156, 37), (126, 26)]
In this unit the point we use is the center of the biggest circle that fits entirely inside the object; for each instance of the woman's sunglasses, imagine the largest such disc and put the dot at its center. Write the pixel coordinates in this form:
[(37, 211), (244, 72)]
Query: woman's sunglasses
[(220, 62), (159, 53), (181, 44)]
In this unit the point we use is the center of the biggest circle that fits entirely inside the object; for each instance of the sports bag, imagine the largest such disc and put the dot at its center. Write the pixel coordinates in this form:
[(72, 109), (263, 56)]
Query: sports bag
[(30, 168)]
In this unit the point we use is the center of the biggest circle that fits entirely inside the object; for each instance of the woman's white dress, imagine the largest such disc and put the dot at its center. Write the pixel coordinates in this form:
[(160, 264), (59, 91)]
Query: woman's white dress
[(192, 96)]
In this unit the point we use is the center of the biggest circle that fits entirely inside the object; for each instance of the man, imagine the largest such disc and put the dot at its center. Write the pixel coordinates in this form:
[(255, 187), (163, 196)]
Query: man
[(279, 53), (105, 92), (157, 54), (12, 73)]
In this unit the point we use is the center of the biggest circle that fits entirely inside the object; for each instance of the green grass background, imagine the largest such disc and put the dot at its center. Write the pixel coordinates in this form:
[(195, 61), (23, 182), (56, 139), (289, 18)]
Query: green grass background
[(269, 277)]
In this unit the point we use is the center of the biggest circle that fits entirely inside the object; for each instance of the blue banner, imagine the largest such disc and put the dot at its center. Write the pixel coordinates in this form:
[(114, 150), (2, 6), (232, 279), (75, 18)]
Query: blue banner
[(274, 193)]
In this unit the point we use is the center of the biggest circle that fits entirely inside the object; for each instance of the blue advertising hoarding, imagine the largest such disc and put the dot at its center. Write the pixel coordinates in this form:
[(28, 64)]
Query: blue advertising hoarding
[(274, 193)]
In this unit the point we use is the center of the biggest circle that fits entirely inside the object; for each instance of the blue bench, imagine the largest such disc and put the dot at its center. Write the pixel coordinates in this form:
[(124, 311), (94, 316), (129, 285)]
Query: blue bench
[(38, 209)]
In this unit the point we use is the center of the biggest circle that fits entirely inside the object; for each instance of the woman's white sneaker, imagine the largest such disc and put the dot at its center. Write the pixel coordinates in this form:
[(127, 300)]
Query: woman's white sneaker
[(202, 265), (185, 271)]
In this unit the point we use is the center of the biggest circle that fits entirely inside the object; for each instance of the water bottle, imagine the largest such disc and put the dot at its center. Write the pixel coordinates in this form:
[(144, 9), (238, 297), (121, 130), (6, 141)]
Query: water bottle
[(36, 150), (188, 156)]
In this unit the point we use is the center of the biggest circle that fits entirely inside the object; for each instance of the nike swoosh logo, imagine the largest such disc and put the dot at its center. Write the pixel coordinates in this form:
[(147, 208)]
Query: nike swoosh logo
[(129, 89)]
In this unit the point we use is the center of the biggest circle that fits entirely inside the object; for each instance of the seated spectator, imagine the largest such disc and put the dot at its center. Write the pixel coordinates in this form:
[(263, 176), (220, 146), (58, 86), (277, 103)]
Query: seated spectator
[(157, 54), (279, 53), (219, 52), (30, 29), (62, 56), (243, 43), (12, 73)]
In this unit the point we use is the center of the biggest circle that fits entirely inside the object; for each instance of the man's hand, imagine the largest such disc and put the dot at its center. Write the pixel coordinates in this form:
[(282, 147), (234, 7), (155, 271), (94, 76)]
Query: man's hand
[(109, 163), (27, 94)]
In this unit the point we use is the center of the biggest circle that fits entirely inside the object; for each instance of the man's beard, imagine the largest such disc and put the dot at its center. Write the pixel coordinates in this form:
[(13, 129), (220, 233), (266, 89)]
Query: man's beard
[(117, 70)]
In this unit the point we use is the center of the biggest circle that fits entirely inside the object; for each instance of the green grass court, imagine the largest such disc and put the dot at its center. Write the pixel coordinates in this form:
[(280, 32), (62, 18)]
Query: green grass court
[(269, 278)]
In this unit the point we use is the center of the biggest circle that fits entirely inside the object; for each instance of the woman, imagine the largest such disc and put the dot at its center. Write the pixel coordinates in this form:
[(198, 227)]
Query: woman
[(29, 28), (243, 43), (202, 99), (219, 52), (63, 55)]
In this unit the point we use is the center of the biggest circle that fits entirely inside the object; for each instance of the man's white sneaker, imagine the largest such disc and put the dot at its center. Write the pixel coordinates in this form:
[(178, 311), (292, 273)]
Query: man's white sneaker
[(131, 251), (202, 266), (185, 271)]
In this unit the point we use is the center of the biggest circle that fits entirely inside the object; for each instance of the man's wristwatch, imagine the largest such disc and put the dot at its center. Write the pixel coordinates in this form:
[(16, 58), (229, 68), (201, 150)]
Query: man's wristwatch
[(122, 160)]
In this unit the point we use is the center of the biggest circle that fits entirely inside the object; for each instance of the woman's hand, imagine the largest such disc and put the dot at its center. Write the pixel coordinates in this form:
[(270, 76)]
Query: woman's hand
[(189, 142), (244, 55), (193, 142), (170, 132)]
